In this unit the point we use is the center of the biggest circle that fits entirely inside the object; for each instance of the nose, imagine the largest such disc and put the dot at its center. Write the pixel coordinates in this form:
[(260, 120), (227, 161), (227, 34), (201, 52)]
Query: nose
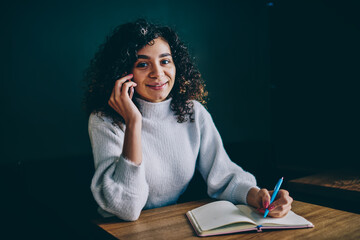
[(157, 71)]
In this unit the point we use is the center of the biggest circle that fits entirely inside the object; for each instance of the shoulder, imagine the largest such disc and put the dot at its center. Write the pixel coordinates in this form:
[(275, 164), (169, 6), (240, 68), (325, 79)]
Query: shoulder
[(198, 106), (200, 111), (98, 120)]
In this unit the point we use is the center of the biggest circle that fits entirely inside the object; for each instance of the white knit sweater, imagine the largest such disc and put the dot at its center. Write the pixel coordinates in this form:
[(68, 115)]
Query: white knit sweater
[(171, 152)]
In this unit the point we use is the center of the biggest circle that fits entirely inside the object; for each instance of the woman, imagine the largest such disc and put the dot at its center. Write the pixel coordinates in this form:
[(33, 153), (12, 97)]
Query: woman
[(147, 147)]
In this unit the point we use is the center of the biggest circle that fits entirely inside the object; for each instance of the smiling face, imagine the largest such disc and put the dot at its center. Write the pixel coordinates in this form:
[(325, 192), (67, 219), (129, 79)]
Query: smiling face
[(154, 71)]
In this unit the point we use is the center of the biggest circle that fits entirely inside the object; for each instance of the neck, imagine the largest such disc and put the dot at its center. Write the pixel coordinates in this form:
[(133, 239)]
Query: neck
[(154, 110)]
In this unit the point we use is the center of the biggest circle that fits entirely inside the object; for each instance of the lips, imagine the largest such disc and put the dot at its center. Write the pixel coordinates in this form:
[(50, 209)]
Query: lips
[(157, 86)]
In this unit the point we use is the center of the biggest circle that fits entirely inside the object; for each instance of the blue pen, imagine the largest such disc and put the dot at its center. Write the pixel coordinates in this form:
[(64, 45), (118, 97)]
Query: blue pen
[(276, 190)]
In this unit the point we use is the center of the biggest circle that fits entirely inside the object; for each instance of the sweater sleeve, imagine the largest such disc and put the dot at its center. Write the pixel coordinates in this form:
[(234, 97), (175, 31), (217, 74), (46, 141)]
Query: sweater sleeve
[(118, 186), (225, 180)]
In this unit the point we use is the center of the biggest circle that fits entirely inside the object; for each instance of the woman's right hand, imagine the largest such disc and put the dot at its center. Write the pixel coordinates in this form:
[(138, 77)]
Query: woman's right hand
[(120, 99), (260, 199)]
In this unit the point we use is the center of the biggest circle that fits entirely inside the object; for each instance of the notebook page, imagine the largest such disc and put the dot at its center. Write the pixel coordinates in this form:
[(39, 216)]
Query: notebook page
[(217, 214), (291, 219)]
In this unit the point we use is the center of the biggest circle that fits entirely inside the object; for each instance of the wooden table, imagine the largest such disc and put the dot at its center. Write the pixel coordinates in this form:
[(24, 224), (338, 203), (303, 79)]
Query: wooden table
[(171, 223), (337, 189), (340, 184)]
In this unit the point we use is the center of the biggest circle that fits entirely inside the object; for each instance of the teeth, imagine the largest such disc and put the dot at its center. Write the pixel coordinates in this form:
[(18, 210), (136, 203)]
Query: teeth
[(158, 85)]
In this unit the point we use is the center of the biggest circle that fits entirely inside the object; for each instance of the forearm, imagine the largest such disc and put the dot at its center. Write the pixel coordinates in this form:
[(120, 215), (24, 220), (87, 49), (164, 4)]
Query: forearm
[(132, 142)]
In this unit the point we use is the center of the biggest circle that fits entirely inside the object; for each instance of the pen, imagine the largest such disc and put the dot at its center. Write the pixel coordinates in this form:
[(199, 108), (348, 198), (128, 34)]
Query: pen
[(276, 190)]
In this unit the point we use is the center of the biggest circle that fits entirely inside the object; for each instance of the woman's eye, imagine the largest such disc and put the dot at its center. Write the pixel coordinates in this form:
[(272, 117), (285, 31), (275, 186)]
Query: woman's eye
[(165, 61), (141, 64)]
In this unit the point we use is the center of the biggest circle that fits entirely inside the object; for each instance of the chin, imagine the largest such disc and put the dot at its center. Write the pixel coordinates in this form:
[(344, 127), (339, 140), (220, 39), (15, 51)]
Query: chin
[(152, 96), (159, 99)]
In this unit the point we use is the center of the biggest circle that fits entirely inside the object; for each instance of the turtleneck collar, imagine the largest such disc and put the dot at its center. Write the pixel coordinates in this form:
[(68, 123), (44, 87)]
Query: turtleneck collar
[(154, 110)]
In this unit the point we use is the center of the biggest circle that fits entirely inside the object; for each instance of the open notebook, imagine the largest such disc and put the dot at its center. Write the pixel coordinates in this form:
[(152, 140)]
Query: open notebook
[(223, 217)]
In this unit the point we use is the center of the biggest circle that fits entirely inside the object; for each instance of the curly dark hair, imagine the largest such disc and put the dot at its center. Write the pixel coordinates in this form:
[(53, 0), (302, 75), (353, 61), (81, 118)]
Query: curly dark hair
[(116, 57)]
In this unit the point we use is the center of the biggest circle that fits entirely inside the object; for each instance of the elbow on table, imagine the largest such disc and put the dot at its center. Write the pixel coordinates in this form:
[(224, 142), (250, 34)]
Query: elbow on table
[(130, 216), (124, 205), (127, 211)]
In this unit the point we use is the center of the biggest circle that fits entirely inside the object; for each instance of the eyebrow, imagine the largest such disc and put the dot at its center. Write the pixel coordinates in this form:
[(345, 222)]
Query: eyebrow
[(160, 56)]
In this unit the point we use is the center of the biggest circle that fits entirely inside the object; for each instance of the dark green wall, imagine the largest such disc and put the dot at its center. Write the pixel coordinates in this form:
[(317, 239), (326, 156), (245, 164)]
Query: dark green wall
[(315, 59), (283, 73), (48, 44), (283, 78)]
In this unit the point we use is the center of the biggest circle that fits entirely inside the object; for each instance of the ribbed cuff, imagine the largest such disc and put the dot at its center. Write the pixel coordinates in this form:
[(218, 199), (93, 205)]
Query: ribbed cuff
[(241, 192), (129, 174)]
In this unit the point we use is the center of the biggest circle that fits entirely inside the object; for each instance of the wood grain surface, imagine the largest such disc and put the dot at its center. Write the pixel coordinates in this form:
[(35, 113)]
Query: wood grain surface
[(171, 223), (341, 187)]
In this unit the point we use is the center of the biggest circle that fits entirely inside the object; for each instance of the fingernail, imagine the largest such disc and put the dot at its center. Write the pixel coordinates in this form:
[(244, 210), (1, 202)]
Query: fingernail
[(261, 210), (266, 205), (271, 207)]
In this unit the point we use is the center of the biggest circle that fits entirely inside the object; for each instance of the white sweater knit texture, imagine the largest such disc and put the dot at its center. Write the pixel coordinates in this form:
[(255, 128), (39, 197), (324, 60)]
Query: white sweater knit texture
[(171, 153)]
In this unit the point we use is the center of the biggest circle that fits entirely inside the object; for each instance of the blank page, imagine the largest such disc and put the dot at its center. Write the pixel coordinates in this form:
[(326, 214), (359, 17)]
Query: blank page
[(217, 214), (291, 219)]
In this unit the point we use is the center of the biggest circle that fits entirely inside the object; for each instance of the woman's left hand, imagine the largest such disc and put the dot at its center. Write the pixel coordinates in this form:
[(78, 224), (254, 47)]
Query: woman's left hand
[(260, 199)]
